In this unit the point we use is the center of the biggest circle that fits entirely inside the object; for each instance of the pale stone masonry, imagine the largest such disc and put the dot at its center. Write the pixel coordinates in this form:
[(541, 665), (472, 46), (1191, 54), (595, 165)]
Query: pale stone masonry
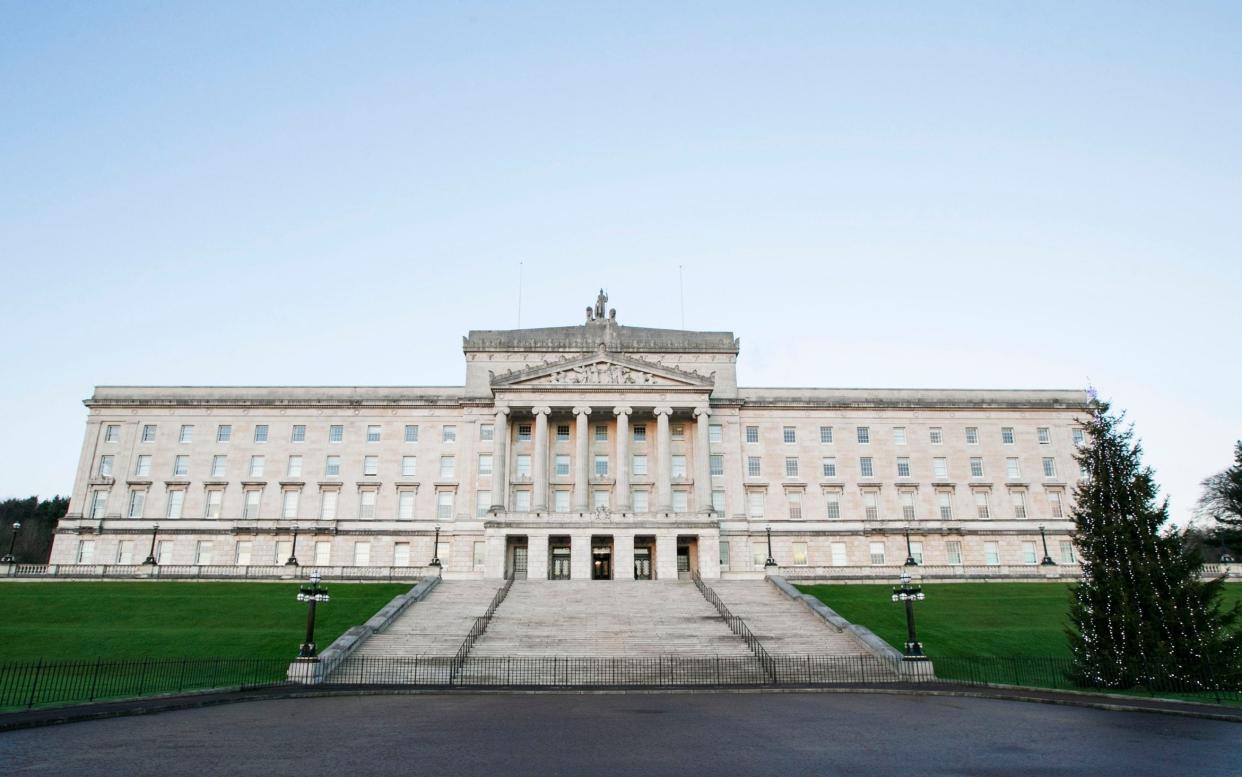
[(596, 450)]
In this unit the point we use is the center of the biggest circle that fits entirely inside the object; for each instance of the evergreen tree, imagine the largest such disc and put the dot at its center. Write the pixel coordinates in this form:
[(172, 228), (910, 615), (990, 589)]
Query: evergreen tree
[(1222, 493), (1140, 613)]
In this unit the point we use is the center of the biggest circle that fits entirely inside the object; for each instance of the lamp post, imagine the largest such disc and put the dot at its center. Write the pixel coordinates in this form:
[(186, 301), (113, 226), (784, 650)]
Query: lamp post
[(293, 549), (435, 549), (312, 594), (771, 560), (1047, 562), (150, 559), (910, 562), (9, 558), (909, 594)]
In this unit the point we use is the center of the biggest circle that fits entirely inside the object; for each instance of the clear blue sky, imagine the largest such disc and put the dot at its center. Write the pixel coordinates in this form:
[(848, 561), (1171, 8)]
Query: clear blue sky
[(1017, 195)]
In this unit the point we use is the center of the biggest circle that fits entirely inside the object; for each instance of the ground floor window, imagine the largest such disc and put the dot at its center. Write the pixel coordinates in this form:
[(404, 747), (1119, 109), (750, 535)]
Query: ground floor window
[(877, 552), (323, 553), (362, 554), (125, 552), (86, 551), (799, 554), (480, 554), (202, 552), (724, 554), (1028, 553), (991, 553), (916, 552), (953, 552), (839, 555), (1067, 552), (401, 554), (242, 556)]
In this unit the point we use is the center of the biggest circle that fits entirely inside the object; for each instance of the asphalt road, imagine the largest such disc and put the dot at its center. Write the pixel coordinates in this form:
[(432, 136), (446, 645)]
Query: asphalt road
[(642, 734)]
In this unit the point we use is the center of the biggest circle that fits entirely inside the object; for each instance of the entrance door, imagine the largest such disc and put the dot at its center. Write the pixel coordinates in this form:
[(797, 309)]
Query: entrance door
[(683, 562), (560, 563), (519, 562), (642, 563), (601, 562)]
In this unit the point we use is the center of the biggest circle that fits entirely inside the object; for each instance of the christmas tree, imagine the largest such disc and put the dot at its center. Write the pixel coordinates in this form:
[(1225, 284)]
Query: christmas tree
[(1141, 612)]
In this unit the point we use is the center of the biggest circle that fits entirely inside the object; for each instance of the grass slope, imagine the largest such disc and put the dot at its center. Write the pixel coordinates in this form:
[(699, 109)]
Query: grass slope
[(88, 620)]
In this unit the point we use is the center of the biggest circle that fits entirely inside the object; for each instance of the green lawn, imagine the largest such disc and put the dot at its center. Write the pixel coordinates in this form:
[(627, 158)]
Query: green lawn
[(122, 620)]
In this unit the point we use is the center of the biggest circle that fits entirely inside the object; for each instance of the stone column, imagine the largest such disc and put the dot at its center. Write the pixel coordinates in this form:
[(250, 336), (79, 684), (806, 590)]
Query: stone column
[(582, 465), (500, 461), (666, 556), (580, 556), (702, 468), (536, 555), (622, 556), (709, 555), (664, 462), (494, 566), (621, 500), (539, 468)]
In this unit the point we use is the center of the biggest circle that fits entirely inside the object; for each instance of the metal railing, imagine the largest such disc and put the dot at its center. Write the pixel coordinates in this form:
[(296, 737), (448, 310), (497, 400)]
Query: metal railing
[(735, 624), (214, 572), (480, 624), (965, 572)]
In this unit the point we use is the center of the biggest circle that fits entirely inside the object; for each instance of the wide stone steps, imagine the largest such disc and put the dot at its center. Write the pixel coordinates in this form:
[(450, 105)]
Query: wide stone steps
[(784, 626), (437, 625)]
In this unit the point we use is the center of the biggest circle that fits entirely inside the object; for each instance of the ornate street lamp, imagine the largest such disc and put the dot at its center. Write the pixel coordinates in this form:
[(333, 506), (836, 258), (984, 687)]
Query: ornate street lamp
[(9, 558), (293, 549), (910, 562), (312, 594), (150, 559), (909, 594), (435, 549), (771, 560), (1047, 562)]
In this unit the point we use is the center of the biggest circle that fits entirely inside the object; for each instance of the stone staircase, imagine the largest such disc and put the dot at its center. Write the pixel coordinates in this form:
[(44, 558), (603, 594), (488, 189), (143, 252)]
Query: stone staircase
[(784, 626), (437, 625)]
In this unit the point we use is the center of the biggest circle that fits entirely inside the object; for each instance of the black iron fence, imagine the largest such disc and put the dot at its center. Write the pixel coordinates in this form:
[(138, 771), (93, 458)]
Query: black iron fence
[(736, 625), (52, 683), (481, 623)]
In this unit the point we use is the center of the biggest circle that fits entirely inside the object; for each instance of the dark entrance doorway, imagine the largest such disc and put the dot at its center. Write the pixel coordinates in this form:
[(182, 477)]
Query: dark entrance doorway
[(644, 558), (687, 557), (601, 562), (515, 558), (558, 558)]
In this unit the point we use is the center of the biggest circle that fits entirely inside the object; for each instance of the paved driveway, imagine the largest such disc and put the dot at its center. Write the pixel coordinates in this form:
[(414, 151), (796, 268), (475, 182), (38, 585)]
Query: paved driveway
[(642, 734)]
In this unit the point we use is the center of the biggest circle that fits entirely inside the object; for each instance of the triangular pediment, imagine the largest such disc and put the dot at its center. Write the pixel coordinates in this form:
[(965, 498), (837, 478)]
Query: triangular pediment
[(602, 369)]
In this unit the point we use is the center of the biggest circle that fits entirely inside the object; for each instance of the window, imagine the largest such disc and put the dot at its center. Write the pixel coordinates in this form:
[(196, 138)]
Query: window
[(224, 433), (601, 433), (834, 506), (877, 552), (799, 554), (362, 553), (916, 552), (290, 507), (945, 500), (718, 501), (601, 466), (250, 508), (448, 433), (137, 500), (724, 554), (1028, 553), (991, 553), (1007, 435), (758, 554), (181, 466), (677, 431), (1054, 504), (640, 432), (99, 501), (1082, 471), (332, 467), (953, 551), (972, 435), (825, 434), (865, 467), (754, 504), (715, 465), (561, 465), (871, 505), (715, 433), (485, 463), (448, 467), (336, 433), (523, 434), (562, 432), (899, 435), (752, 434), (327, 505), (105, 466), (521, 501), (298, 433), (976, 467), (323, 553), (112, 433), (1050, 467), (839, 556), (411, 432), (1012, 470), (752, 466), (681, 501), (639, 464), (940, 468), (907, 505), (523, 465), (370, 465), (936, 435), (794, 498), (903, 467), (409, 466), (148, 433), (401, 554), (125, 552), (487, 432), (791, 466), (599, 498), (1079, 437), (142, 468), (215, 499), (295, 467), (1019, 504), (202, 553), (366, 504), (981, 505), (405, 506), (176, 501), (790, 435), (480, 554), (1067, 552), (560, 500), (641, 501), (218, 464), (260, 433), (829, 466), (678, 462), (86, 551), (864, 435), (482, 502), (1045, 435), (186, 435)]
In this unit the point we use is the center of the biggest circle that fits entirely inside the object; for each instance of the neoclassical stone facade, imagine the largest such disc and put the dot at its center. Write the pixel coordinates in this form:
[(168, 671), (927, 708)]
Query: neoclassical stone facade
[(596, 450)]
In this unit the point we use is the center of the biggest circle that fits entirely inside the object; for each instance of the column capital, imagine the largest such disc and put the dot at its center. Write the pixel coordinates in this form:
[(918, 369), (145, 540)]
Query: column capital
[(537, 411), (702, 411), (501, 410), (662, 411), (622, 410), (582, 410)]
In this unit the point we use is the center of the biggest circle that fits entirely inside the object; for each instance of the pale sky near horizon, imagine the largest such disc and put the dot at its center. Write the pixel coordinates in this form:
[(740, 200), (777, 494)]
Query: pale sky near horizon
[(987, 195)]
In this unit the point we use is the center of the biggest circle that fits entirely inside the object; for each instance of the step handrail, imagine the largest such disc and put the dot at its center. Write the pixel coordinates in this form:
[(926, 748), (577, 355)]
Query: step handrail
[(480, 626), (737, 626)]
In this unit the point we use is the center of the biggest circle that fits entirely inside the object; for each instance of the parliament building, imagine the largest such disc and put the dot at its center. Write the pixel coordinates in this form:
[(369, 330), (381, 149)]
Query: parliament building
[(596, 451)]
